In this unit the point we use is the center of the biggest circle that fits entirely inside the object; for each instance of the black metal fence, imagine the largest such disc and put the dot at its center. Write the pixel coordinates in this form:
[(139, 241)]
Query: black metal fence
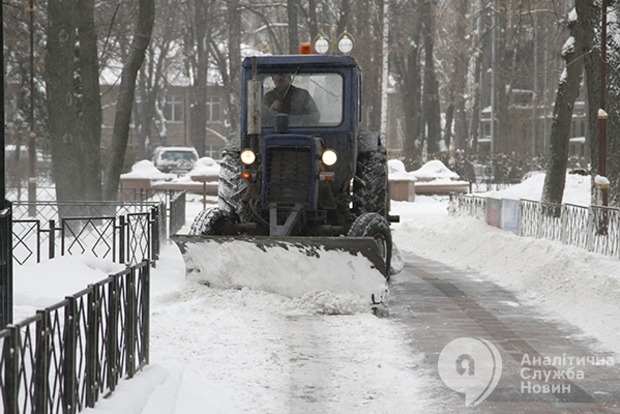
[(594, 228), (71, 353), (173, 201), (123, 232)]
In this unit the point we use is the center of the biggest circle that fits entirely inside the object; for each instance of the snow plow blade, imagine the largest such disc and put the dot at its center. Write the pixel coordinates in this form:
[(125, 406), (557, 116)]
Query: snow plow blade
[(292, 266)]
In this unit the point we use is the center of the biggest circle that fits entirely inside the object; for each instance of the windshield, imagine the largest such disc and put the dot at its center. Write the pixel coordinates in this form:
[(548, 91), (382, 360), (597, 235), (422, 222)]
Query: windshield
[(176, 155), (310, 99)]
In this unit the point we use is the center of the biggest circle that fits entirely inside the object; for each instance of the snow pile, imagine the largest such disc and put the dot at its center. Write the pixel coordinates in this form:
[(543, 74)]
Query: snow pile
[(204, 167), (434, 170), (330, 281), (146, 169), (397, 171), (576, 189)]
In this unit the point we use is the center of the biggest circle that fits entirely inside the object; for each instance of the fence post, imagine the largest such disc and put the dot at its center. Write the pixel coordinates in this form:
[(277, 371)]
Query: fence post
[(52, 239), (122, 229), (591, 230), (130, 322), (6, 264), (154, 233), (563, 223), (41, 378), (11, 379), (145, 280), (92, 345), (69, 392), (112, 332)]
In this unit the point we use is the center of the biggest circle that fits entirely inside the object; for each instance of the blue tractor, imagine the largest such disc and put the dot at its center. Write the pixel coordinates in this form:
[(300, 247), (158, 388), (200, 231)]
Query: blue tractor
[(301, 169)]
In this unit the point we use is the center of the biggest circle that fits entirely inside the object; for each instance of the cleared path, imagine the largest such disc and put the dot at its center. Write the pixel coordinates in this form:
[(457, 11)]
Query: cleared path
[(548, 366)]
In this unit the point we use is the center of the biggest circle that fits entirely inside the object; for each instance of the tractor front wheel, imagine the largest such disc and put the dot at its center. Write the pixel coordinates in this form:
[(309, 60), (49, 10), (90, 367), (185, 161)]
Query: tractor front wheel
[(376, 226), (214, 222)]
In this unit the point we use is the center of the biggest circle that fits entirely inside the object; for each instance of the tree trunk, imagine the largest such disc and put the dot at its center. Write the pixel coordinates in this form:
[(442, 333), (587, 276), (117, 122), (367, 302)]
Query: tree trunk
[(293, 32), (459, 76), (613, 108), (61, 100), (198, 93), (578, 46), (432, 115), (234, 64), (407, 68), (312, 20), (91, 110), (120, 134)]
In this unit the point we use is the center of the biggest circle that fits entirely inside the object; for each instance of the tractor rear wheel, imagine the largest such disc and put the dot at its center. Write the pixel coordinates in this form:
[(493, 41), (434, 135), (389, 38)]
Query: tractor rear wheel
[(231, 186), (376, 226), (370, 194)]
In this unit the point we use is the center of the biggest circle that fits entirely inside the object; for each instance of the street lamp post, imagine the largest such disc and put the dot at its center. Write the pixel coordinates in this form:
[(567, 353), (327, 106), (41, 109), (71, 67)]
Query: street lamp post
[(333, 43)]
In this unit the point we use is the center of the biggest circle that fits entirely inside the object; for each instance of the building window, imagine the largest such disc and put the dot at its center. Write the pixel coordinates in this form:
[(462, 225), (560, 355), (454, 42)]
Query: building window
[(173, 110), (214, 107), (213, 151)]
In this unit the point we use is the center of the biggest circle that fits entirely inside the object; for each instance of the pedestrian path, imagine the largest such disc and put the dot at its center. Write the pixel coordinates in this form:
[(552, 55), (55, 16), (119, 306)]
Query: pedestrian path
[(546, 366)]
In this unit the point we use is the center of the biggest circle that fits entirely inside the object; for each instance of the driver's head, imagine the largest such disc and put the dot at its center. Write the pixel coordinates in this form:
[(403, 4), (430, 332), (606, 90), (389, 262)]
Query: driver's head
[(281, 81)]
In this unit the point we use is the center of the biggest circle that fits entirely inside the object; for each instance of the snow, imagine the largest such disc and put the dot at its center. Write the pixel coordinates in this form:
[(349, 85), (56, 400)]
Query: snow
[(397, 171), (434, 170), (247, 350), (205, 166), (601, 181), (146, 169), (576, 189)]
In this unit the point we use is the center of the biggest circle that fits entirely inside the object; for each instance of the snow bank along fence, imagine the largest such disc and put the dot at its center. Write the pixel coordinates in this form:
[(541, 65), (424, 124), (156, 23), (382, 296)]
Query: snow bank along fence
[(594, 228), (71, 353), (123, 232)]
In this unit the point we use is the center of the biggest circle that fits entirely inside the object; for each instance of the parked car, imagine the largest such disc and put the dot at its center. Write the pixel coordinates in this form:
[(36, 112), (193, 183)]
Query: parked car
[(175, 160)]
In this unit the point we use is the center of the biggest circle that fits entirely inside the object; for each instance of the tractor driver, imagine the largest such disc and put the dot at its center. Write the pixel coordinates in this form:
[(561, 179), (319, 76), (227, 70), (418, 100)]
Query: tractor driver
[(289, 99)]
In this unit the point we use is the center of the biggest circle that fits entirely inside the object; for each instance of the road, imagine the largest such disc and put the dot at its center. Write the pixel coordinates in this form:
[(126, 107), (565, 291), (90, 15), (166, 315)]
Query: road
[(547, 366)]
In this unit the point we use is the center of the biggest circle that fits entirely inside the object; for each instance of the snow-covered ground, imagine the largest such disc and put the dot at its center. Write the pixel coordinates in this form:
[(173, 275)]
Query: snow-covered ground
[(243, 350)]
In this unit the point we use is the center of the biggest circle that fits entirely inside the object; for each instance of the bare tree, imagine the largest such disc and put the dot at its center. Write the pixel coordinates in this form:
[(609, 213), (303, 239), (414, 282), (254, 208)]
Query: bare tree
[(430, 98), (576, 47), (293, 32), (120, 135), (62, 101), (91, 100), (406, 58)]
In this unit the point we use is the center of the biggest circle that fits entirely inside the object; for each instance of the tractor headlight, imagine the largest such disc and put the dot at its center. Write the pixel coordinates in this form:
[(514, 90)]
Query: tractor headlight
[(248, 157), (329, 157)]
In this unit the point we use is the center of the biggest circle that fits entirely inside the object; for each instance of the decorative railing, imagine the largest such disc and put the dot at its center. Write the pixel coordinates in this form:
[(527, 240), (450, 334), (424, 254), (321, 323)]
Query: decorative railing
[(69, 354), (123, 232), (594, 228)]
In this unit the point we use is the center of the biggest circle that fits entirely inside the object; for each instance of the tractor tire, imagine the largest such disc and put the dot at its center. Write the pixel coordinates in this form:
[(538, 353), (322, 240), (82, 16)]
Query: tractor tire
[(376, 226), (213, 222), (231, 187), (370, 185)]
